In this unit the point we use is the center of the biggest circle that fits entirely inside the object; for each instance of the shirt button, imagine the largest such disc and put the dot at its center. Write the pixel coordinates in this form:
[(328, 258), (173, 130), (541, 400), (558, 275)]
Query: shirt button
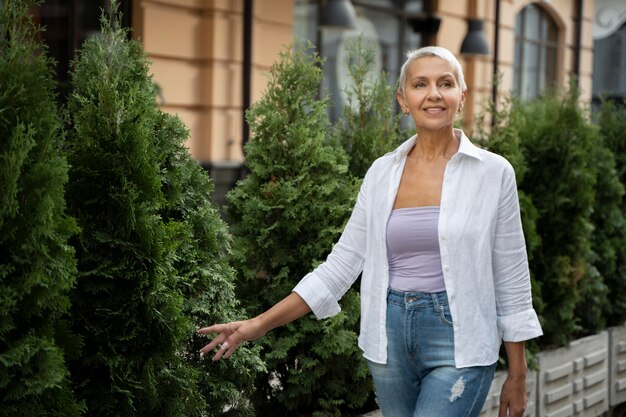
[(443, 238), (445, 268)]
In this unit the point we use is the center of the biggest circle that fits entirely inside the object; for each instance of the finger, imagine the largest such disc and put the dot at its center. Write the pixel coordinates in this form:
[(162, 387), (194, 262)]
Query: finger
[(213, 343), (223, 350), (231, 349), (216, 328), (502, 411)]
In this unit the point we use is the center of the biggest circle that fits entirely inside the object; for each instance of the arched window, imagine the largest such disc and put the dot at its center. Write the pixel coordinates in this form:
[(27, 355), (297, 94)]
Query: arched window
[(536, 43), (609, 67)]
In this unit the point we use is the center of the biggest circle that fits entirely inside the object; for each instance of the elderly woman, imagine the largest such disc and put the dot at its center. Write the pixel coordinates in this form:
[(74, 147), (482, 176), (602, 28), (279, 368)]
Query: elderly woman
[(436, 233)]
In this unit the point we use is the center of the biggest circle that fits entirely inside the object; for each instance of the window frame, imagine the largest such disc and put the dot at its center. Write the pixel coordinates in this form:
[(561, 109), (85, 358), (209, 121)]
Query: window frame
[(546, 74)]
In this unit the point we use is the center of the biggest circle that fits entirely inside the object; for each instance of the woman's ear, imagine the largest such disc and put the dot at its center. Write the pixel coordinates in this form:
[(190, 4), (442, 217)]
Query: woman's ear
[(462, 101), (402, 102)]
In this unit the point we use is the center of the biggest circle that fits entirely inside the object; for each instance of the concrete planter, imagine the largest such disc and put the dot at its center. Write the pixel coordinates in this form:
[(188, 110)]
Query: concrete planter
[(574, 380), (617, 377)]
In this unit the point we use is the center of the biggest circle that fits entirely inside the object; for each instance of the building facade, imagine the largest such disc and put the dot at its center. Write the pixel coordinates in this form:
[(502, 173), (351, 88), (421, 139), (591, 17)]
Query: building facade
[(211, 57)]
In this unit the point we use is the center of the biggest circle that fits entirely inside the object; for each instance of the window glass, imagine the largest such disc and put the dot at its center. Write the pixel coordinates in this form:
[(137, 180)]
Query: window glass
[(535, 59), (381, 25), (609, 67)]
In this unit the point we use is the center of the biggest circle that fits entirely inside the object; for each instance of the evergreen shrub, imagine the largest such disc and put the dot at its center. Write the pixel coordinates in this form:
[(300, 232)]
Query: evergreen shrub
[(127, 306), (611, 249), (558, 157), (37, 264), (202, 245), (286, 215), (561, 178)]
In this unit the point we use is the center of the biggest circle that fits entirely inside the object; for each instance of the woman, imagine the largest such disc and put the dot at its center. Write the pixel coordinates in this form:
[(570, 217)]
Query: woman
[(436, 232)]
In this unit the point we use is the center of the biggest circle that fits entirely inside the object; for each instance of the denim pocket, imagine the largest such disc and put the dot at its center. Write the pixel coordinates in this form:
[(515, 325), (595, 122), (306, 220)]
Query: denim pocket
[(444, 314)]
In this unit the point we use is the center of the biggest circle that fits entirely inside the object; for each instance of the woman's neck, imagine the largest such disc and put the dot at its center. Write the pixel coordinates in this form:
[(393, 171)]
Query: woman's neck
[(432, 145)]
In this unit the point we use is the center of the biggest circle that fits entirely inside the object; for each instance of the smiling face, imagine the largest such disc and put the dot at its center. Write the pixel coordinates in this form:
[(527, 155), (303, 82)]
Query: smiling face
[(432, 94)]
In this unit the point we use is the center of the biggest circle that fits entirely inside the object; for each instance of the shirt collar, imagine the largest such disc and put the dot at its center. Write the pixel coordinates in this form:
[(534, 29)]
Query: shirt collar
[(465, 146)]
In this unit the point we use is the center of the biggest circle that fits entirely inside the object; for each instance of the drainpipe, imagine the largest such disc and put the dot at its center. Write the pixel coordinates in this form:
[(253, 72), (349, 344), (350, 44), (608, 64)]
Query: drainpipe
[(496, 54), (247, 67), (578, 24)]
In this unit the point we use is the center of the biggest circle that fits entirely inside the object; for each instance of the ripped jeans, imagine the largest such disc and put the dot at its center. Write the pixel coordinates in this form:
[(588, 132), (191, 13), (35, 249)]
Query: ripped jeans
[(420, 379)]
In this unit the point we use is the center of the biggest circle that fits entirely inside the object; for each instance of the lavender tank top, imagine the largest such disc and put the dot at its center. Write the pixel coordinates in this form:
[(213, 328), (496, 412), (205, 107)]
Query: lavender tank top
[(413, 250)]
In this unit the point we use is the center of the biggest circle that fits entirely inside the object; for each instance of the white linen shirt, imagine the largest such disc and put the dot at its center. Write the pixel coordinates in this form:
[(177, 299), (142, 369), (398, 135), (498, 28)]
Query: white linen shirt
[(482, 247)]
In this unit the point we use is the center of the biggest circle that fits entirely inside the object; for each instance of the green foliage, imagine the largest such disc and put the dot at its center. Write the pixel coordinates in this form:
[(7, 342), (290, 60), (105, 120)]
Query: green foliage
[(561, 178), (201, 244), (569, 197), (286, 215), (610, 213), (37, 265), (125, 306), (369, 127)]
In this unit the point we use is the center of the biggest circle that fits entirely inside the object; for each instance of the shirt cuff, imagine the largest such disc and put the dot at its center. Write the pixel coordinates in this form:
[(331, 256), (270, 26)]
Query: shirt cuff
[(519, 327), (318, 297)]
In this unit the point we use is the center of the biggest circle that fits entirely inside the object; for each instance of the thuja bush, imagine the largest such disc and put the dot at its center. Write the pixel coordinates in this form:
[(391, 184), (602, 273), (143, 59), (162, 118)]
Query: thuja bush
[(126, 306), (369, 127), (558, 145), (203, 276), (611, 120), (285, 216), (608, 244), (555, 151), (37, 265)]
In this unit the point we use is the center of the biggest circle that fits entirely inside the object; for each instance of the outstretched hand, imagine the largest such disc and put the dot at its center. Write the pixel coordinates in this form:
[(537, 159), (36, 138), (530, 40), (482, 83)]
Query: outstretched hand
[(230, 336)]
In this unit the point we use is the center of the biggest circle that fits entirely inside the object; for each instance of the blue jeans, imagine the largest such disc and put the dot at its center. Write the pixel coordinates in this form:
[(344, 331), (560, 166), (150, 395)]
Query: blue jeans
[(419, 378)]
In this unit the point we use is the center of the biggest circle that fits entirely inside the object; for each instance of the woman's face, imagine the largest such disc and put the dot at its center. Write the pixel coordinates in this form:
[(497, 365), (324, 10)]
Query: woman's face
[(432, 94)]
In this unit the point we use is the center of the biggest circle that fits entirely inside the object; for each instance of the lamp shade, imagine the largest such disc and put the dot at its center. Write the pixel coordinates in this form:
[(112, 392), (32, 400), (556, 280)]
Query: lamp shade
[(424, 23), (475, 42), (338, 14)]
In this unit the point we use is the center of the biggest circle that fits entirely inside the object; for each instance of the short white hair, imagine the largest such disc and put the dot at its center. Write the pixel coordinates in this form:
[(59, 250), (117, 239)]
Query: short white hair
[(437, 51)]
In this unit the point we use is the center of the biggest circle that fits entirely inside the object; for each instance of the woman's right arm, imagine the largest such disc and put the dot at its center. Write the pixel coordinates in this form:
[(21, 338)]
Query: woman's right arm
[(231, 335), (317, 292)]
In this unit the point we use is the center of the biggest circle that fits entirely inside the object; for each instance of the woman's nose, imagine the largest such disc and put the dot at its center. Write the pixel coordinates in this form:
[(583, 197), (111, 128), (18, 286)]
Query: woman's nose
[(433, 93)]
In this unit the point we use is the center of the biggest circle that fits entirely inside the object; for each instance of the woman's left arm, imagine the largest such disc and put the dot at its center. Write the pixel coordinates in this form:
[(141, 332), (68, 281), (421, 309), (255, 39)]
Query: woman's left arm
[(514, 397), (516, 319)]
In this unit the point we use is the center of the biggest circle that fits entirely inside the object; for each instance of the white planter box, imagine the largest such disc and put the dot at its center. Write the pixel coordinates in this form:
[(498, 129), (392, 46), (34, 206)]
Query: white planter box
[(617, 390), (574, 380)]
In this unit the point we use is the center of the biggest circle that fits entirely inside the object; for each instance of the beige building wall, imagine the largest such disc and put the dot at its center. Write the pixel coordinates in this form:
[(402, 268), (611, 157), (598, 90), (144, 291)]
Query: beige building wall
[(479, 69), (196, 49)]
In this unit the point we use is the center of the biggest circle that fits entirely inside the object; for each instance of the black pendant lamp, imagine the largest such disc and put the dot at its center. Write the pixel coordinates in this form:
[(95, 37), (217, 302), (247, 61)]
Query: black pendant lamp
[(338, 14), (475, 42)]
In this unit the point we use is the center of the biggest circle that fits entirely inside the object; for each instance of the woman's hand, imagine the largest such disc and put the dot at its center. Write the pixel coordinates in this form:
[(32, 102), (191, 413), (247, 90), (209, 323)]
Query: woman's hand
[(230, 336), (513, 397)]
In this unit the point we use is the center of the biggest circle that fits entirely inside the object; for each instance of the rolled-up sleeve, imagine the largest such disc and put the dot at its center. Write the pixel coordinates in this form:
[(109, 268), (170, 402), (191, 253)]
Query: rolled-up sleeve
[(323, 287), (517, 320)]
